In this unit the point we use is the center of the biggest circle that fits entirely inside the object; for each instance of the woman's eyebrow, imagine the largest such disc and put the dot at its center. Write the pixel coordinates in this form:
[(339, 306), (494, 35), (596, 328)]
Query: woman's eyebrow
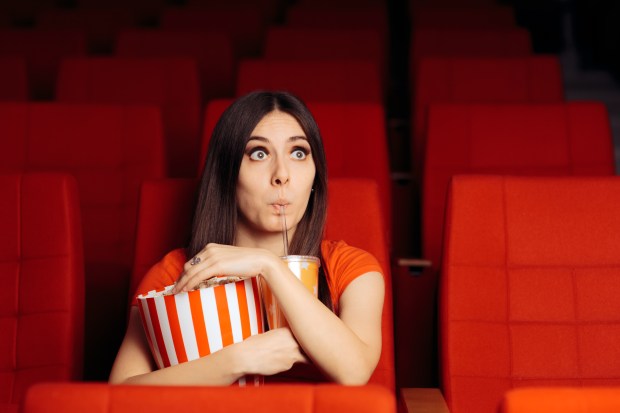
[(291, 139)]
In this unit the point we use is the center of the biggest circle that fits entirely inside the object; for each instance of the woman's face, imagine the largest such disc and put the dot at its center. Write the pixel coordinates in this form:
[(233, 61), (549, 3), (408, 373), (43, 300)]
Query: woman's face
[(277, 172)]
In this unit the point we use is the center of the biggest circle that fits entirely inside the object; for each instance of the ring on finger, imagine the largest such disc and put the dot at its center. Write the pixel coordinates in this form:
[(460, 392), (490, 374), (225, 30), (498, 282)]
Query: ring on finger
[(195, 260)]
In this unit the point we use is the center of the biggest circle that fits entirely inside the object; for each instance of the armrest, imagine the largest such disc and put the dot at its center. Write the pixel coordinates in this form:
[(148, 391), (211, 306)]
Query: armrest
[(424, 400), (416, 266)]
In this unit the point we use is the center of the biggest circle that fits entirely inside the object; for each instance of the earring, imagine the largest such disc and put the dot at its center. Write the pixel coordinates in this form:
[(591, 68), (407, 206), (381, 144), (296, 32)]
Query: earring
[(312, 190)]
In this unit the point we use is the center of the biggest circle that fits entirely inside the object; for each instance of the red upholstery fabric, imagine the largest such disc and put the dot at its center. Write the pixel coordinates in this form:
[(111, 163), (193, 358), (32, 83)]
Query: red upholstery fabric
[(145, 12), (13, 79), (480, 80), (42, 50), (244, 23), (462, 16), (350, 132), (338, 17), (562, 400), (170, 83), (110, 150), (160, 232), (75, 397), (530, 282), (212, 51), (42, 273), (99, 25), (427, 42), (320, 80), (522, 139)]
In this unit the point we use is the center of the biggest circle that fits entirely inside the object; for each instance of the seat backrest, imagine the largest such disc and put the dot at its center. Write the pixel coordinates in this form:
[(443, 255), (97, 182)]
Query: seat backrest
[(42, 272), (213, 52), (562, 399), (244, 23), (77, 397), (170, 83), (481, 80), (462, 17), (319, 80), (338, 17), (164, 221), (99, 25), (521, 139), (42, 50), (529, 290), (472, 42), (110, 150), (354, 138), (13, 79)]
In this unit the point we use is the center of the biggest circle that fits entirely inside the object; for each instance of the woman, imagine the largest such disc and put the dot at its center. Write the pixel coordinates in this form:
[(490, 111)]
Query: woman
[(266, 158)]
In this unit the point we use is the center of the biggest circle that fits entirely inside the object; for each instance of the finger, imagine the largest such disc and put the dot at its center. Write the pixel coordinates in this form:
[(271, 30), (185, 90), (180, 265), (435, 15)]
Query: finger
[(189, 269)]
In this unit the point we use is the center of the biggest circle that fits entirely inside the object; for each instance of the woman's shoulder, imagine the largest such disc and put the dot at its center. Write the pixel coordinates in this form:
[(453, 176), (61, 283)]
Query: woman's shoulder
[(338, 253)]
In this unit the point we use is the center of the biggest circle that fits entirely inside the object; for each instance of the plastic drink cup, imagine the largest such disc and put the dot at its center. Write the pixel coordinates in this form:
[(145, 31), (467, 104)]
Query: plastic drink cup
[(306, 269), (189, 325)]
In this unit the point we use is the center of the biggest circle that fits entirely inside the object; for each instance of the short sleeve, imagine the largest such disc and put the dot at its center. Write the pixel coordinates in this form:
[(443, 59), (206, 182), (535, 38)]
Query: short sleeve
[(162, 274), (343, 264)]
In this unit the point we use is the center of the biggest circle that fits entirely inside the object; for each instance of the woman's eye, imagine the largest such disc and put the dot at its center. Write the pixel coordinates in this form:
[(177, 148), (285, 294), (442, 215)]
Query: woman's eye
[(299, 154), (258, 155)]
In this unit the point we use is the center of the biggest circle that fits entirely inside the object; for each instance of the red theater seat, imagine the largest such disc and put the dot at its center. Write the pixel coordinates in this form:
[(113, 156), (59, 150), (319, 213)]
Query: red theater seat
[(529, 290), (562, 400), (164, 224), (110, 150), (522, 139), (336, 17), (450, 42), (308, 43), (100, 25), (212, 51), (42, 273), (42, 50), (354, 138), (314, 80), (145, 12), (74, 398), (244, 24), (13, 79), (536, 79), (170, 83), (463, 16)]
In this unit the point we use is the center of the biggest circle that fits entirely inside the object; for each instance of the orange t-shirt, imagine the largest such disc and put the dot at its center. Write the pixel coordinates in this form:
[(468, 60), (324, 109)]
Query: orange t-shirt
[(341, 263)]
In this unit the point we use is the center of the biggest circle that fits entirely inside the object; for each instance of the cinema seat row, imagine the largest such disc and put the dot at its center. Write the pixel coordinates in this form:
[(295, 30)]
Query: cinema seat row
[(130, 120)]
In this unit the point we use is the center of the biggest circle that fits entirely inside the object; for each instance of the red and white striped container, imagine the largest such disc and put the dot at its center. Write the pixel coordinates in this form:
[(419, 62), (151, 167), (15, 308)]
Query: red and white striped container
[(186, 326)]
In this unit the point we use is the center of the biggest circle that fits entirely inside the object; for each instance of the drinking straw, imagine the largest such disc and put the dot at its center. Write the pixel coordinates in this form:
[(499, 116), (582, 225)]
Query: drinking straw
[(284, 229)]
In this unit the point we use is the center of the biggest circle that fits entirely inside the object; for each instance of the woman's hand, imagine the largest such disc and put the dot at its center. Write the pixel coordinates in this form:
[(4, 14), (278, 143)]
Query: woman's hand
[(224, 260), (270, 353)]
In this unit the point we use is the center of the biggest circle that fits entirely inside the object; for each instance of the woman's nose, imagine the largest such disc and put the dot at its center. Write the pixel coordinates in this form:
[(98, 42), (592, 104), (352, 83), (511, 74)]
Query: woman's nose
[(281, 174)]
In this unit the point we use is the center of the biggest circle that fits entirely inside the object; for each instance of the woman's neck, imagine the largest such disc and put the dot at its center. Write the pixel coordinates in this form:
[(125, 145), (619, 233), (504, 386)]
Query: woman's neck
[(268, 240)]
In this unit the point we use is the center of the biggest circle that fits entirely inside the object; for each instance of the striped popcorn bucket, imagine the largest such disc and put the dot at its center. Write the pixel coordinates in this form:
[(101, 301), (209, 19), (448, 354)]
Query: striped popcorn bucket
[(186, 326)]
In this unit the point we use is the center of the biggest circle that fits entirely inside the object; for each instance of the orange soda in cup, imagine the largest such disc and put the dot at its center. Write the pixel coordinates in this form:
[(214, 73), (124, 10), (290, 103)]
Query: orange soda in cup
[(306, 269)]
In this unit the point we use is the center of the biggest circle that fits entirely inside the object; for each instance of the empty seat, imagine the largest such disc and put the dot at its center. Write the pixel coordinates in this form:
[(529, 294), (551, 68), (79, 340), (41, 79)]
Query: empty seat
[(77, 397), (99, 25), (170, 83), (42, 272), (144, 12), (334, 17), (562, 400), (354, 137), (462, 17), (42, 50), (536, 79), (13, 79), (529, 290), (445, 42), (164, 223), (110, 149), (314, 80), (244, 24), (212, 51), (309, 43)]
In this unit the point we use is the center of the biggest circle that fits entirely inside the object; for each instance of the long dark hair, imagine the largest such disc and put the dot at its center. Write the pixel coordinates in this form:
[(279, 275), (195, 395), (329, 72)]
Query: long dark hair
[(215, 216)]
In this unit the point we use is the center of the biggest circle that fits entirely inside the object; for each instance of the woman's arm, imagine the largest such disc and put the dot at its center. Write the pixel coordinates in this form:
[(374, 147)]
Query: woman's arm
[(265, 354), (347, 349)]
